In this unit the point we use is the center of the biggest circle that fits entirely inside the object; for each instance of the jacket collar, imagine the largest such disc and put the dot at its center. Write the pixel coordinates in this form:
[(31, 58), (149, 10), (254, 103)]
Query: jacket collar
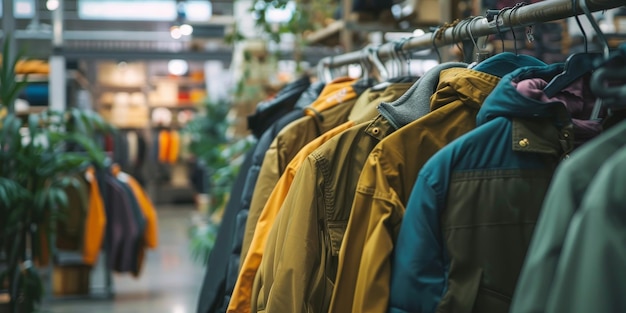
[(470, 86), (309, 95), (267, 112), (415, 102), (506, 101), (504, 63), (541, 124)]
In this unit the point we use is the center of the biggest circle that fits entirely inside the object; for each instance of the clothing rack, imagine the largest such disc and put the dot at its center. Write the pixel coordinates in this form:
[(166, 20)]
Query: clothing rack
[(520, 16)]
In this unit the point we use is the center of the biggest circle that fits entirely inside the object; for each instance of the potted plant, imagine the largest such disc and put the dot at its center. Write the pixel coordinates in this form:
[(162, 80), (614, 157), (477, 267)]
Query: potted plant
[(37, 153)]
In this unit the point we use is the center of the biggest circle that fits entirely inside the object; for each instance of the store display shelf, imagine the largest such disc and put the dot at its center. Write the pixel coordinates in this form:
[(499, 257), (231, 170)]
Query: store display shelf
[(33, 78), (330, 30), (181, 81), (103, 88), (32, 110), (177, 106)]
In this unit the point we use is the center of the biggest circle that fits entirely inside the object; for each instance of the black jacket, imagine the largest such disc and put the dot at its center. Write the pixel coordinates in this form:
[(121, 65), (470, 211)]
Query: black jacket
[(212, 291)]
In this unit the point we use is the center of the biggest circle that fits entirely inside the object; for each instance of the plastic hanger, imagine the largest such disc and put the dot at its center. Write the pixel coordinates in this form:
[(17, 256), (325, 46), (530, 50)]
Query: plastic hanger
[(578, 64)]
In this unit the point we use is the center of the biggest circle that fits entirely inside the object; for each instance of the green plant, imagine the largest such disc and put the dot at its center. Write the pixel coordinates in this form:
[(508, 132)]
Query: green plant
[(218, 154), (10, 87), (35, 161)]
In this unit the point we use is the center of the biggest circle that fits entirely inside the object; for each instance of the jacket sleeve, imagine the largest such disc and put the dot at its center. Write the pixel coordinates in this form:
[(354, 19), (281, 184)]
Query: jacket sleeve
[(267, 179), (95, 222), (590, 274), (418, 279), (537, 276), (297, 284)]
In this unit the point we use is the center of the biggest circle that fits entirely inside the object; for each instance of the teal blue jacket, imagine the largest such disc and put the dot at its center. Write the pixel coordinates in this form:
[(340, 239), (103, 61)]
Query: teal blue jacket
[(473, 208)]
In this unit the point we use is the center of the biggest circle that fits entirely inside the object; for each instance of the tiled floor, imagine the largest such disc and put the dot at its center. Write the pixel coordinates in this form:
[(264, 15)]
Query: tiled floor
[(170, 281)]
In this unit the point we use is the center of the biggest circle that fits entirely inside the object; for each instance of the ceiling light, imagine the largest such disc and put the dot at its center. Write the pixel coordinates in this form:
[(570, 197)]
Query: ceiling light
[(52, 5), (186, 29), (177, 67), (175, 32)]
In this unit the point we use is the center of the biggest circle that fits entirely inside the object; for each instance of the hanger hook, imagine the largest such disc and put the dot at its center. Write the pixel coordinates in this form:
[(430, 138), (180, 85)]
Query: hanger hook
[(397, 62), (513, 29), (596, 27), (580, 26), (434, 36), (468, 29), (454, 37), (498, 26), (382, 70), (321, 68), (405, 55), (328, 73), (364, 62)]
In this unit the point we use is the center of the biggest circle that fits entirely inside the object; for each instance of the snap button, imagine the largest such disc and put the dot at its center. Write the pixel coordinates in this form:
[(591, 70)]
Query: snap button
[(524, 143), (375, 130), (566, 135)]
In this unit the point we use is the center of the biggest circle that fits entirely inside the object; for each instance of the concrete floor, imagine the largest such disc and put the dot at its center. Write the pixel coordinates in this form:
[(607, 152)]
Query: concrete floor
[(170, 281)]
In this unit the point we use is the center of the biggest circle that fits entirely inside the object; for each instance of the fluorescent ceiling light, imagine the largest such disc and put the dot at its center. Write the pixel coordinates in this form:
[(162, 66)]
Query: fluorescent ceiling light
[(177, 67), (147, 10), (198, 11), (127, 10), (24, 8)]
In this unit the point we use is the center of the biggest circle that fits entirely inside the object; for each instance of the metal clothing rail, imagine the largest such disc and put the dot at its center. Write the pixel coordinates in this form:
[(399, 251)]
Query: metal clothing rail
[(521, 16)]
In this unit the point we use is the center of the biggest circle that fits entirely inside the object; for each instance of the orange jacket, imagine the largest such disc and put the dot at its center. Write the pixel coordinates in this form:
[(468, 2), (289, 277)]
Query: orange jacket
[(95, 222)]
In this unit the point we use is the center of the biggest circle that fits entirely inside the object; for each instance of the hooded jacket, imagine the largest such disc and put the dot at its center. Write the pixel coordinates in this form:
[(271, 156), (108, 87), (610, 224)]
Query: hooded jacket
[(474, 205), (362, 283)]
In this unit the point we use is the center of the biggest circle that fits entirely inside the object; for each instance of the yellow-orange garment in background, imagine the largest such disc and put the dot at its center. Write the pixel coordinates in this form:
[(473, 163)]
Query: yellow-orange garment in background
[(173, 148), (164, 146), (329, 110), (96, 220), (240, 300)]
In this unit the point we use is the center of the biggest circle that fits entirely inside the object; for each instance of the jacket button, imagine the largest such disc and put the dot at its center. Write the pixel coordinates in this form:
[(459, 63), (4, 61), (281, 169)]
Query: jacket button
[(524, 143), (375, 130), (566, 135)]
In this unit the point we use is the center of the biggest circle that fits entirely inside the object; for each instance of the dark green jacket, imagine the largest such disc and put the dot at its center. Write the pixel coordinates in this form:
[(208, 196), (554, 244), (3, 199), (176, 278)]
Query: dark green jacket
[(564, 199)]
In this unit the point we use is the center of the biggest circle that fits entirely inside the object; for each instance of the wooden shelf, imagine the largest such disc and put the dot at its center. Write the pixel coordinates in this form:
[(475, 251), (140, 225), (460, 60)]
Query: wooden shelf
[(332, 29), (177, 106), (181, 81), (33, 78), (104, 88)]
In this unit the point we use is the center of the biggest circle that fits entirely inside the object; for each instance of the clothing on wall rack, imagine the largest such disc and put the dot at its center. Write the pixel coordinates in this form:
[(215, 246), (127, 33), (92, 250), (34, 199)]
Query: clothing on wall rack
[(413, 194)]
